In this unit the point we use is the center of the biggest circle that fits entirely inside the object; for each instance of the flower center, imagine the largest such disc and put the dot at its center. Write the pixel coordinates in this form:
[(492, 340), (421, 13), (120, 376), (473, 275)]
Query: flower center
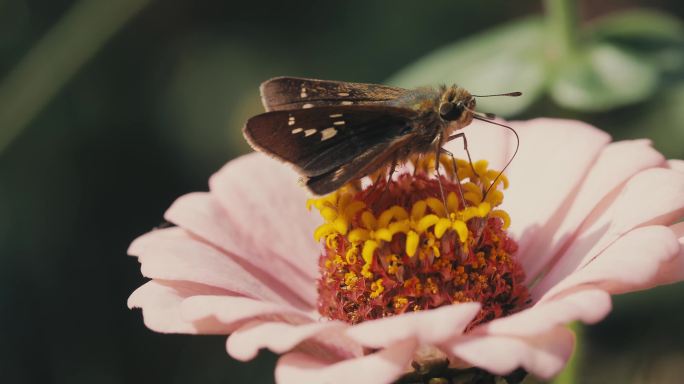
[(403, 245)]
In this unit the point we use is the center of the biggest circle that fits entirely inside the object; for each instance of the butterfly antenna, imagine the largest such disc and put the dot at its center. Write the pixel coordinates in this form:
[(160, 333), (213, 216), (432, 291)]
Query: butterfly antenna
[(514, 94), (491, 116), (517, 146)]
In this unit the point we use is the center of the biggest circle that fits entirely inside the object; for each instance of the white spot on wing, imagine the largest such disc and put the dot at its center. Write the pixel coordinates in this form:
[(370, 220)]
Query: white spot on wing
[(310, 132), (303, 93), (307, 106), (335, 115), (297, 130), (338, 174), (343, 94), (291, 120), (328, 133), (346, 102), (341, 122)]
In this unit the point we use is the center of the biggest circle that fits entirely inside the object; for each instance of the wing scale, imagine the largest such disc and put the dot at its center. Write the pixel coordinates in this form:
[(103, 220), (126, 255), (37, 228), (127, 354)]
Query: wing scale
[(286, 93)]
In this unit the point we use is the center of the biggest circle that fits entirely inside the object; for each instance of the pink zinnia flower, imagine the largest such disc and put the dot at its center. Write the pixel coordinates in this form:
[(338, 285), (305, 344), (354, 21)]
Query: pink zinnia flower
[(588, 218)]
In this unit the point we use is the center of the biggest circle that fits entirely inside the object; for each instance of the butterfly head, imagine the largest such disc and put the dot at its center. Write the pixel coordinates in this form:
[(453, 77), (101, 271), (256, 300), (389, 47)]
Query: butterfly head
[(456, 105)]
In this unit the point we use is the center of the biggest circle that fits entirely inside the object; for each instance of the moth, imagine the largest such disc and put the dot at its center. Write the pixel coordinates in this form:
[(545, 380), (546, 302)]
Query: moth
[(333, 132)]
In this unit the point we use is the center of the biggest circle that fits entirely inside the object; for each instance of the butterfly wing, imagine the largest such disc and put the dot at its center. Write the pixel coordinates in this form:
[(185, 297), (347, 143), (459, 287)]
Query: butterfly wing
[(365, 163), (286, 93), (321, 140)]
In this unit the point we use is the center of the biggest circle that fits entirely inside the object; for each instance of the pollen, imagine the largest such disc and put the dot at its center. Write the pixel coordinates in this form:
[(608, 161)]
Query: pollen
[(401, 245)]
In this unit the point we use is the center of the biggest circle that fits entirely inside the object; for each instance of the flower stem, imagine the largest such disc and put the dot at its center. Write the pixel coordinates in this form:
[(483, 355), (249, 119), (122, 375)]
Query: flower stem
[(561, 24)]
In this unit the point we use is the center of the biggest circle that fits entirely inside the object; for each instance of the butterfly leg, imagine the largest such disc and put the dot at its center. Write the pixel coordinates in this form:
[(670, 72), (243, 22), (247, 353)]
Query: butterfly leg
[(453, 162), (393, 168), (465, 147), (439, 177), (381, 175), (416, 164)]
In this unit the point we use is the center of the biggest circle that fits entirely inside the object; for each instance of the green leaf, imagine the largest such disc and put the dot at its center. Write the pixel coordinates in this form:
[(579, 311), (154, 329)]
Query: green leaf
[(638, 25), (508, 58), (653, 36), (603, 77)]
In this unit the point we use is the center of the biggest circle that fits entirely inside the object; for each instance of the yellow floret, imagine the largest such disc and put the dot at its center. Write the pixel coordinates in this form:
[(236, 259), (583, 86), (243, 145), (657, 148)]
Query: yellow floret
[(412, 240), (503, 215), (424, 226), (376, 288)]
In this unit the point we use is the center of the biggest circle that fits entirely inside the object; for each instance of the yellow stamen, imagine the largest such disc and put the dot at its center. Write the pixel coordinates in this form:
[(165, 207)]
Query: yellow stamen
[(473, 193), (418, 210), (369, 248), (412, 240), (441, 227), (503, 215), (427, 222), (353, 208), (393, 264), (368, 220), (331, 241), (358, 234), (376, 288), (481, 167), (452, 202), (436, 205), (399, 301), (351, 255), (494, 197), (461, 229), (323, 230), (341, 225), (350, 279), (394, 213)]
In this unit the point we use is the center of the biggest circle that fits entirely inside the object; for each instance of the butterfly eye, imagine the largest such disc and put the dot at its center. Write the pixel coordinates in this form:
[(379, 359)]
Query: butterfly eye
[(450, 111)]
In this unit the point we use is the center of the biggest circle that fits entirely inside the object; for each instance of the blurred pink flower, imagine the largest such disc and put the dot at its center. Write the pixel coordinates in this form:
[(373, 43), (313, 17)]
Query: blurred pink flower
[(591, 218)]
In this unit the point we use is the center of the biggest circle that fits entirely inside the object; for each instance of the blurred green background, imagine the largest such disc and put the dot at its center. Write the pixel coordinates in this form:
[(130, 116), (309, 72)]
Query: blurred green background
[(109, 110)]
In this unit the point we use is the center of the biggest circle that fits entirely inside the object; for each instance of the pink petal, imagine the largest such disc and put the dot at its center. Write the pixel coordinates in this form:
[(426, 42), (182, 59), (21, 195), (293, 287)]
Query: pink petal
[(244, 344), (542, 355), (534, 338), (616, 163), (678, 229), (631, 263), (173, 254), (381, 367), (267, 210), (654, 196), (235, 311), (427, 327), (204, 216), (161, 302), (672, 271), (588, 305), (676, 164), (554, 157)]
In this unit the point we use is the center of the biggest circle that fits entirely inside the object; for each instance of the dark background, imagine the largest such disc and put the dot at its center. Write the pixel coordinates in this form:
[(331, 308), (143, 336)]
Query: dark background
[(154, 113)]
